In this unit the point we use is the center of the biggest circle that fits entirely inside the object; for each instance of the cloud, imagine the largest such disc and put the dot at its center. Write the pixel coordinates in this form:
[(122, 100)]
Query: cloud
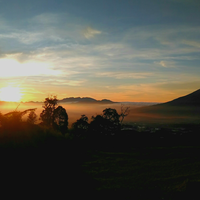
[(12, 68), (68, 82), (166, 64), (90, 32), (162, 63), (46, 29), (124, 75), (46, 18), (143, 56), (159, 36), (192, 43), (176, 86)]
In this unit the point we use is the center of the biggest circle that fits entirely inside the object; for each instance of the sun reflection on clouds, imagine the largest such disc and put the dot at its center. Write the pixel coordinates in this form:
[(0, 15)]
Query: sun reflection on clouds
[(13, 68), (10, 93)]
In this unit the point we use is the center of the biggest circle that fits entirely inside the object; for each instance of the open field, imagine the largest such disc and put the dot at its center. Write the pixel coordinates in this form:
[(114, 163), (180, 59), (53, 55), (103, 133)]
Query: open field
[(146, 173), (111, 169)]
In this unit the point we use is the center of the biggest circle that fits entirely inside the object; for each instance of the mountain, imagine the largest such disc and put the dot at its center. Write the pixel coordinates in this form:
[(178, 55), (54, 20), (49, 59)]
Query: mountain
[(192, 99), (84, 100), (183, 109)]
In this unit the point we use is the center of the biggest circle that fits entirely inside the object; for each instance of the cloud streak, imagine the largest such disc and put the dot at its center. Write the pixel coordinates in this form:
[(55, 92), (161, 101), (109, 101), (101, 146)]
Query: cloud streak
[(60, 51), (124, 75), (90, 32)]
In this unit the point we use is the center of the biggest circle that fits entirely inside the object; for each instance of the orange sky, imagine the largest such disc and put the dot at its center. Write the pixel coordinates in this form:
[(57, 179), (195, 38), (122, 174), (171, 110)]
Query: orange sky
[(118, 50)]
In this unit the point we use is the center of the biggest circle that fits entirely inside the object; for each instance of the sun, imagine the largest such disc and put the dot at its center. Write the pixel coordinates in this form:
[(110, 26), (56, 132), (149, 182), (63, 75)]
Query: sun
[(10, 94)]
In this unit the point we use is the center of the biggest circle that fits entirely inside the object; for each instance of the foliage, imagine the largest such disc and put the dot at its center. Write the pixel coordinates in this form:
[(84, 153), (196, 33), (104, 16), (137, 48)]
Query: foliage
[(13, 120), (109, 123), (80, 127), (81, 123), (32, 117), (106, 124), (124, 113), (54, 116), (98, 125), (60, 119), (111, 115), (47, 114)]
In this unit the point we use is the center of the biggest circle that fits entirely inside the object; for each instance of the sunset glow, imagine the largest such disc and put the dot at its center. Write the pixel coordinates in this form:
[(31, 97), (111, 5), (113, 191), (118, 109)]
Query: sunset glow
[(10, 94), (125, 51), (13, 68)]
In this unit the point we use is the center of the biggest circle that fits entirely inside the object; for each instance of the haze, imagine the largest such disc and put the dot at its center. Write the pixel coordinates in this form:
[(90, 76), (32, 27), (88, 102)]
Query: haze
[(74, 111)]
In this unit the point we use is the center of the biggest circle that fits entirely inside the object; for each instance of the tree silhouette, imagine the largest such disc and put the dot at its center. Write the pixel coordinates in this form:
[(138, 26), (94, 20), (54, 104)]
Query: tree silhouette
[(60, 119), (13, 120), (80, 127), (106, 124), (32, 117), (53, 115), (112, 117), (111, 114), (98, 125), (124, 113), (47, 114)]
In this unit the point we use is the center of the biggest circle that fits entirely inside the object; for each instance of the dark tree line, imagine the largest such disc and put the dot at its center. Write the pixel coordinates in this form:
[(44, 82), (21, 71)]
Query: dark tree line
[(56, 117), (109, 123)]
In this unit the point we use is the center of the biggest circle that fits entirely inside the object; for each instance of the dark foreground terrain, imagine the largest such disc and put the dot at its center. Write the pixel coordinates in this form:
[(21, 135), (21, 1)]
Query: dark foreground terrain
[(155, 155), (127, 167), (147, 173)]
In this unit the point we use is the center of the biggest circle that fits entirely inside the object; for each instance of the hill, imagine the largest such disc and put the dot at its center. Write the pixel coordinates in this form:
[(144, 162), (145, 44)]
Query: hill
[(192, 99), (84, 100), (184, 109)]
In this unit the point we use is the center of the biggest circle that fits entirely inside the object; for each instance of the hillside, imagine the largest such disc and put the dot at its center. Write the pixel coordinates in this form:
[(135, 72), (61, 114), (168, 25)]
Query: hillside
[(183, 109), (192, 99)]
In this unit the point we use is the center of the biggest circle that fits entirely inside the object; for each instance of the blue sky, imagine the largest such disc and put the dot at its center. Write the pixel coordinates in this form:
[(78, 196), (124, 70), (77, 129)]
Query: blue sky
[(136, 50)]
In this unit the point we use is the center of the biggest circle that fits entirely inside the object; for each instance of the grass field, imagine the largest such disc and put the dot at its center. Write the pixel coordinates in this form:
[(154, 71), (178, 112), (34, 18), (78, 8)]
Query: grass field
[(146, 173), (57, 165)]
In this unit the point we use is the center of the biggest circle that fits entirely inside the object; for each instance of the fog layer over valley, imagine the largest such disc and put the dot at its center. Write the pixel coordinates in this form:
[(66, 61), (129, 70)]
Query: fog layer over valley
[(74, 110), (140, 112)]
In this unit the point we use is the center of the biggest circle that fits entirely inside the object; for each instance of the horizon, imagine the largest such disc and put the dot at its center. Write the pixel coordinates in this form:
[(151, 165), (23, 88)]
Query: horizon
[(130, 51), (81, 98), (37, 101)]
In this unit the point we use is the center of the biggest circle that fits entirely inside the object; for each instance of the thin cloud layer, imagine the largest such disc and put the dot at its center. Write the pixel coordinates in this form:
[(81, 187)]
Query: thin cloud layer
[(141, 52), (90, 32)]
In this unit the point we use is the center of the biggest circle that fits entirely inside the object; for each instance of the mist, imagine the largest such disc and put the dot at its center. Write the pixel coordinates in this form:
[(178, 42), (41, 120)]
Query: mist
[(74, 110), (139, 113)]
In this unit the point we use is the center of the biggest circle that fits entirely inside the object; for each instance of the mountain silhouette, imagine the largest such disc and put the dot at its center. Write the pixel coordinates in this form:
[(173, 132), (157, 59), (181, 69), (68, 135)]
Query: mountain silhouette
[(185, 108), (85, 100), (192, 99)]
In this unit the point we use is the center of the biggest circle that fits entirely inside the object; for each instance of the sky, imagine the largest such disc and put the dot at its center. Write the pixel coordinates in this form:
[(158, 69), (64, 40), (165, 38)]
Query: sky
[(130, 50)]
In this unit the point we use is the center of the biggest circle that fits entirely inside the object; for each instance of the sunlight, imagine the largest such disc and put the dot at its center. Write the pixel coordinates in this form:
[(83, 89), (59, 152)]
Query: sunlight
[(10, 67), (10, 94)]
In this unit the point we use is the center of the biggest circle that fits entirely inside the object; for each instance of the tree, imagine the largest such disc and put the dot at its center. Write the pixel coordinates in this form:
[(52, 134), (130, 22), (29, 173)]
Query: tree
[(98, 125), (60, 119), (53, 115), (124, 113), (13, 120), (112, 115), (113, 123), (32, 117), (50, 104), (106, 124), (81, 123), (16, 116), (80, 127)]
